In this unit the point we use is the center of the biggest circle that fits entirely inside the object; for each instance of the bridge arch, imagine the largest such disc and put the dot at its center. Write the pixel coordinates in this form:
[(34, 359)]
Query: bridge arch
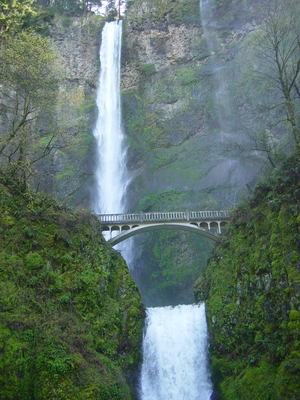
[(126, 234)]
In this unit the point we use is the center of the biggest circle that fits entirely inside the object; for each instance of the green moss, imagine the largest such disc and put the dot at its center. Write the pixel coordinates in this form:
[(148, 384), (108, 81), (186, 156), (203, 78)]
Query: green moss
[(71, 315), (33, 260), (287, 379), (294, 315), (147, 70), (66, 174), (254, 382), (252, 294), (66, 22), (188, 76)]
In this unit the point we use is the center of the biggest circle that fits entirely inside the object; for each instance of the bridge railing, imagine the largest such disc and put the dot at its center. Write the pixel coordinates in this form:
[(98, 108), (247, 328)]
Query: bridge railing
[(163, 216)]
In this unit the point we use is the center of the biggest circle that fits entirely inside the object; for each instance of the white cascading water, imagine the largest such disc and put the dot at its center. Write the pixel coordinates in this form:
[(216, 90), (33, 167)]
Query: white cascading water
[(175, 354), (222, 102), (174, 349), (111, 174)]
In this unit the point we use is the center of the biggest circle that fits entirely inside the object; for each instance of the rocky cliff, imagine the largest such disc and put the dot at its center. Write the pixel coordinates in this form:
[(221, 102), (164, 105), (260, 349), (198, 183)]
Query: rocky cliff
[(172, 114), (189, 111), (69, 172)]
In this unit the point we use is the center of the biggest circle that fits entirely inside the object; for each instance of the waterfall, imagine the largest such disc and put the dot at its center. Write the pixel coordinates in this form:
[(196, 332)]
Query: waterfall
[(174, 349), (175, 354), (110, 174), (221, 101)]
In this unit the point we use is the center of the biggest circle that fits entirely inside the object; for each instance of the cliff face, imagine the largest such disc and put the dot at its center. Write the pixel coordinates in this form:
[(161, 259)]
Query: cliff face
[(251, 289), (69, 171), (177, 105), (187, 116)]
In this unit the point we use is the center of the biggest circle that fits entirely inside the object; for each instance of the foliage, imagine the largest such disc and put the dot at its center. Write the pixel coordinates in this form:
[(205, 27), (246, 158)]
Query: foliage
[(280, 49), (71, 316), (147, 70), (264, 85), (251, 288), (13, 14), (68, 7), (111, 11), (174, 11), (29, 76)]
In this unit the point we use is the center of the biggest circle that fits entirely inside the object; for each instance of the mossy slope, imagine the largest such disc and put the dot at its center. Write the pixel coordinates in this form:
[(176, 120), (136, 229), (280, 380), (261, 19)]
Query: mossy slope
[(251, 287), (70, 315)]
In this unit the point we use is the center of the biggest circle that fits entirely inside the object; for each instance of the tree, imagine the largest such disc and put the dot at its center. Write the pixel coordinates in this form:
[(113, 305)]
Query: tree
[(29, 81), (13, 14), (279, 49), (267, 91), (70, 7), (90, 4), (111, 11)]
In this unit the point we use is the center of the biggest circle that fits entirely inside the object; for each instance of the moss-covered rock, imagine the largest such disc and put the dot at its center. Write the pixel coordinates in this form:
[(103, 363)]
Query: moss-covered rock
[(251, 289), (71, 317), (190, 96)]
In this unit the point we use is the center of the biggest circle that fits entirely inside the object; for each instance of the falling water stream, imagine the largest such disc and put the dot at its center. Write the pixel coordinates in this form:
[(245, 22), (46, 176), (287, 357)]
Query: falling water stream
[(174, 348), (111, 173), (221, 100), (175, 342)]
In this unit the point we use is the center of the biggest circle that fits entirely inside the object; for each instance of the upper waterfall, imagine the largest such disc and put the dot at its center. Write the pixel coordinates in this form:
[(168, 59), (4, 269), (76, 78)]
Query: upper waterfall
[(110, 174)]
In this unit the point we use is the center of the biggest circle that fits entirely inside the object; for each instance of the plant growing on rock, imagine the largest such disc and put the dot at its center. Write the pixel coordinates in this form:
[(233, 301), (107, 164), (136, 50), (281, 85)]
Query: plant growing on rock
[(279, 50), (71, 317), (251, 289), (29, 75)]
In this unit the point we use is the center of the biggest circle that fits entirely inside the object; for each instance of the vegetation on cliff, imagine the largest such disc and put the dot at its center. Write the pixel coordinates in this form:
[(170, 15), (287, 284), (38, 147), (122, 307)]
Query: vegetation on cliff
[(210, 100), (14, 15), (29, 74), (164, 108), (252, 291), (71, 317), (47, 95)]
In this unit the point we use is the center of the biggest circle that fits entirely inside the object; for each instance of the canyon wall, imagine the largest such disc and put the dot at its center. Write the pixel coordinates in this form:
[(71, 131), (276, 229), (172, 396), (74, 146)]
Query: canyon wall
[(68, 173), (189, 111)]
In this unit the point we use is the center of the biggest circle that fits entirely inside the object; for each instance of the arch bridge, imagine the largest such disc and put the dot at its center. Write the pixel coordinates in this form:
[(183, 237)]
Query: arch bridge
[(206, 223)]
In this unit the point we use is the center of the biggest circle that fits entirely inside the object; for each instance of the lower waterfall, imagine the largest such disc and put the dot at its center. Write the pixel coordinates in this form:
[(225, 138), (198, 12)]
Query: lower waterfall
[(175, 354)]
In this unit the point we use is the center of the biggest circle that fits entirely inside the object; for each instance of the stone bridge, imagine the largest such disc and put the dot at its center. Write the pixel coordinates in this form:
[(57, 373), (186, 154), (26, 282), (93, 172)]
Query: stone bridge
[(206, 223)]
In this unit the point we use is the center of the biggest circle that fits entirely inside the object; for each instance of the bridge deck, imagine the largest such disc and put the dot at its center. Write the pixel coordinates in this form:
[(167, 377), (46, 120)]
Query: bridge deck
[(141, 217)]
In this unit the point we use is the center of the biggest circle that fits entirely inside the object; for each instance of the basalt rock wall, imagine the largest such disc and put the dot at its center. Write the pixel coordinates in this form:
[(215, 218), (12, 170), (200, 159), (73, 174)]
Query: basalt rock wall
[(171, 115), (69, 171), (185, 114)]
